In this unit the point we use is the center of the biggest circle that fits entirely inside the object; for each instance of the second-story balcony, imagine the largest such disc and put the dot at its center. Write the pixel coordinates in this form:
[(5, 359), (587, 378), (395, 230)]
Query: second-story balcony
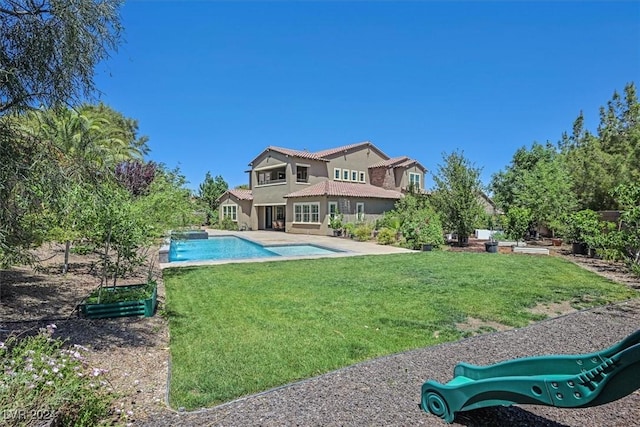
[(274, 176)]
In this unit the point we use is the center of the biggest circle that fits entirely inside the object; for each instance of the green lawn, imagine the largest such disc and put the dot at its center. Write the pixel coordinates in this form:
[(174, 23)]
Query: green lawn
[(238, 329)]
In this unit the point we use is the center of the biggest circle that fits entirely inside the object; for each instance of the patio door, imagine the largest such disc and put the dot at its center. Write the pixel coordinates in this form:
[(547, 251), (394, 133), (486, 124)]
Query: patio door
[(268, 217)]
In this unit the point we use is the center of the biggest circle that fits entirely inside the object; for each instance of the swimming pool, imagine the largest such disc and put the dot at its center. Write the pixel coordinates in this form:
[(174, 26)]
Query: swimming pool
[(232, 247)]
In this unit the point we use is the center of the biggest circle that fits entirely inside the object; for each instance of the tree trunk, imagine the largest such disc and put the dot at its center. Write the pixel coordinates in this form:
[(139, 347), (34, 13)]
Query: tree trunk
[(104, 280), (67, 249), (115, 270)]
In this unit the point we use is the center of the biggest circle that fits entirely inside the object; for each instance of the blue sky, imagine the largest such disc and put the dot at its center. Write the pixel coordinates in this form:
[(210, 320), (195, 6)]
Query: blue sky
[(213, 83)]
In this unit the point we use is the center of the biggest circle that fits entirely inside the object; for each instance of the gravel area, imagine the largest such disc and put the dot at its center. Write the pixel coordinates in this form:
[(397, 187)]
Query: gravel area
[(386, 391), (383, 391)]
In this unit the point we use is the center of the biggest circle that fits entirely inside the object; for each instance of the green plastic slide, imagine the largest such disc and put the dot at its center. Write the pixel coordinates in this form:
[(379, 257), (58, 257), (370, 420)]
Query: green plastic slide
[(564, 381)]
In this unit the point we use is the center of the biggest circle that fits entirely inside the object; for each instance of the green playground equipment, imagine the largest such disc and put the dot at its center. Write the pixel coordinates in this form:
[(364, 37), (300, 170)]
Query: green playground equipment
[(564, 381)]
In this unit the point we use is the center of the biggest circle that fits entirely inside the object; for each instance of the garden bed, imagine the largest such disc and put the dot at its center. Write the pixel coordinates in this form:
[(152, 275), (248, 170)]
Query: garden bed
[(121, 301)]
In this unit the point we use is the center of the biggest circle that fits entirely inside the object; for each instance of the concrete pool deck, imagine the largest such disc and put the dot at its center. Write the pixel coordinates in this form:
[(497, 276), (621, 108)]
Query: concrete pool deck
[(348, 247)]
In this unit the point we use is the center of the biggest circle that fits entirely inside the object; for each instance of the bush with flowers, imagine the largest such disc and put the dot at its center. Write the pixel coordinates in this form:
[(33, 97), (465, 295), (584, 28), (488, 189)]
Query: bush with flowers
[(42, 381)]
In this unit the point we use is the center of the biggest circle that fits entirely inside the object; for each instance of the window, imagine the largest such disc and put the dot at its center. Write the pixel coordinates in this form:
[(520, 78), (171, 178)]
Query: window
[(337, 174), (414, 180), (230, 211), (333, 209), (360, 211), (280, 213), (354, 176), (306, 212), (361, 178), (302, 174), (345, 174)]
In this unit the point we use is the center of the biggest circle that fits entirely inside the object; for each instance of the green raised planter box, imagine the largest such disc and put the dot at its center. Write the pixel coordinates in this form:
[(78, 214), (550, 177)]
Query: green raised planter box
[(140, 307)]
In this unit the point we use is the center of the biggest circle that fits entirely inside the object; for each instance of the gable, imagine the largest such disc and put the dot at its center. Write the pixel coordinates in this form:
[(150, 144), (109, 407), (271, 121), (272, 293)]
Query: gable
[(351, 148)]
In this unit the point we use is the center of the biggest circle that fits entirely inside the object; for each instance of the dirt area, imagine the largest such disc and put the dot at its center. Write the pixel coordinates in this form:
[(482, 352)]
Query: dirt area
[(135, 351), (475, 326)]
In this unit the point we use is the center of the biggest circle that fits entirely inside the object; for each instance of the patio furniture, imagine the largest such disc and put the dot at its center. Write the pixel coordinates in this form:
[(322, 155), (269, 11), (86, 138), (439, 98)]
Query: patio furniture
[(564, 381)]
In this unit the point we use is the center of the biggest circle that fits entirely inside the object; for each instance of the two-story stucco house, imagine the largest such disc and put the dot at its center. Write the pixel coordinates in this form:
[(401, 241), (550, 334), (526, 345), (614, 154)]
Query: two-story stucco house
[(298, 191)]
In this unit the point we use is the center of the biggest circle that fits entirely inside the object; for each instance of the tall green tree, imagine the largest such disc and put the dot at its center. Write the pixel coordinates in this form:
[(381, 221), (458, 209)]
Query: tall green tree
[(48, 52), (456, 195), (209, 191), (27, 175), (537, 180), (599, 162), (49, 49), (168, 204)]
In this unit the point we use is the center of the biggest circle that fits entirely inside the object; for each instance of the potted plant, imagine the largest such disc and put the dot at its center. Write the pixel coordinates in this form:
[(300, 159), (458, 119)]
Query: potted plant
[(335, 223), (492, 245)]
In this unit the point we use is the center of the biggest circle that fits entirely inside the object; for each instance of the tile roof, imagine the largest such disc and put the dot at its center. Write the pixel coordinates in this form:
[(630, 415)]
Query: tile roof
[(389, 163), (346, 189), (397, 162), (407, 163), (322, 155), (295, 153), (239, 193), (331, 151)]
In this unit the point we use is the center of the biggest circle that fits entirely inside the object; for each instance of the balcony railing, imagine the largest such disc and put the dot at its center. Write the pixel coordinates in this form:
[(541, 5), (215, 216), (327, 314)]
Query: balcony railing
[(272, 181)]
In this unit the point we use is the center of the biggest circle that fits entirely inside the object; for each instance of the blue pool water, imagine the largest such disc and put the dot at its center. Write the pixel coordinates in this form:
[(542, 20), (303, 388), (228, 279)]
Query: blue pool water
[(231, 247)]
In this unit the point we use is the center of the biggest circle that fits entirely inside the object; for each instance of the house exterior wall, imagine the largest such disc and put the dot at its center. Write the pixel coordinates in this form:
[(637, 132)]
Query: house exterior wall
[(243, 210), (272, 192), (373, 208), (404, 176), (383, 177), (319, 228), (355, 160)]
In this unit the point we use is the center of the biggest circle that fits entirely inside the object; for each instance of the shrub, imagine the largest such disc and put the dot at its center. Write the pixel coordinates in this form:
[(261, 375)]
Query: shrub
[(362, 232), (44, 381), (228, 224), (386, 236), (583, 226), (335, 222), (498, 236), (518, 220), (422, 228), (390, 220), (349, 228), (428, 230), (624, 242)]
